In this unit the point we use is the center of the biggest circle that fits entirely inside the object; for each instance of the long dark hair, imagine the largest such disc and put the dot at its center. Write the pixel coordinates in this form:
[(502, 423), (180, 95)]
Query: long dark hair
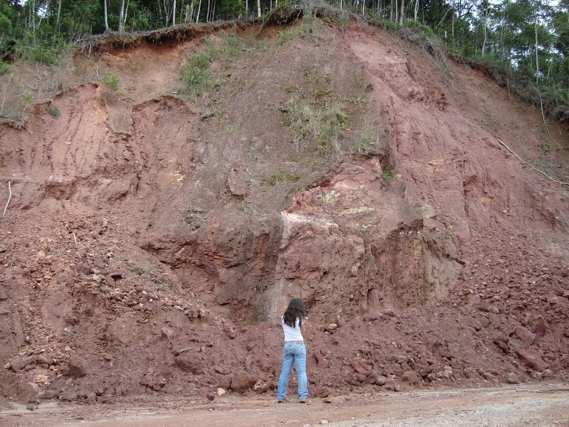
[(295, 310)]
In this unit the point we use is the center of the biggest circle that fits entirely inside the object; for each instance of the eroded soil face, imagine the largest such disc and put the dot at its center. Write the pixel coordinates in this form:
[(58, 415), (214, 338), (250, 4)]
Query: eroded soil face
[(154, 238)]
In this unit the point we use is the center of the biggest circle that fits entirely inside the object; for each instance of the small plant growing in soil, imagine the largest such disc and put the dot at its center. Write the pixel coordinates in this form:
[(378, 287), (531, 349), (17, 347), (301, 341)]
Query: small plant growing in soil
[(333, 120), (291, 88), (281, 177), (355, 100), (321, 124), (111, 81), (314, 113), (367, 142), (4, 67), (232, 46), (27, 102), (424, 28), (262, 44), (285, 36), (196, 72), (53, 111), (388, 175), (27, 98), (545, 148), (384, 23), (44, 53)]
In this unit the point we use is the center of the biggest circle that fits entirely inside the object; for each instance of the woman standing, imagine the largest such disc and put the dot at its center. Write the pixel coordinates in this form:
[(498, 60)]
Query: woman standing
[(294, 351)]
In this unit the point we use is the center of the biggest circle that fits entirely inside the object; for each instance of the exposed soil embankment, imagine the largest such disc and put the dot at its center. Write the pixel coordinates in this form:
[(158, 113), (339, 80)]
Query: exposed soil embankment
[(153, 238)]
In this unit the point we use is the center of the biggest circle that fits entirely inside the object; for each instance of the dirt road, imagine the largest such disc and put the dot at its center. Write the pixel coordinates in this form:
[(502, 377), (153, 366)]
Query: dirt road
[(543, 405)]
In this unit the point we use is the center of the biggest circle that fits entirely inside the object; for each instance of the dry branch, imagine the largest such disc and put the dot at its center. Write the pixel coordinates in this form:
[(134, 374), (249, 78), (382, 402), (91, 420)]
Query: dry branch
[(530, 165)]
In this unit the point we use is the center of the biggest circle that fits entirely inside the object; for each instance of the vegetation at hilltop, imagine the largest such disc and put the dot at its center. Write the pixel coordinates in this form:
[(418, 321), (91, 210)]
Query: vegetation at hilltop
[(528, 38)]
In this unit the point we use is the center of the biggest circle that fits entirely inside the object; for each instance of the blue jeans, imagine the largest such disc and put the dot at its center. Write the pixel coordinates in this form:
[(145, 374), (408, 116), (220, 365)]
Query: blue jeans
[(294, 353)]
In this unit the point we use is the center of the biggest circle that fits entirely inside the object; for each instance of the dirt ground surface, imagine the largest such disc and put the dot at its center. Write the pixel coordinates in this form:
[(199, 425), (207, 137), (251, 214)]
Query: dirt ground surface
[(527, 405)]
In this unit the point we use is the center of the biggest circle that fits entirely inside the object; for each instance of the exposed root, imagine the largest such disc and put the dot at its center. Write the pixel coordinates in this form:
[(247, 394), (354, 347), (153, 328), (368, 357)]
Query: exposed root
[(114, 40), (9, 198), (281, 16)]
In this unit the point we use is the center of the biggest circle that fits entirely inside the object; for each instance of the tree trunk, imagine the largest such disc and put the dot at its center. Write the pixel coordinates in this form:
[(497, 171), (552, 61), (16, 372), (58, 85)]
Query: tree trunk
[(485, 36), (536, 55), (106, 15), (58, 15), (452, 30), (125, 14), (416, 10), (159, 9), (199, 11), (121, 17), (258, 8), (504, 20), (402, 14), (549, 70), (33, 13), (174, 14), (396, 11), (166, 13)]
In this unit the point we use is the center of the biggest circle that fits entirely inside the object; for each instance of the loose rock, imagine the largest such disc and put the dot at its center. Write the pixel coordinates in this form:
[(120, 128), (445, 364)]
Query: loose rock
[(530, 359), (75, 368), (380, 380), (512, 378), (241, 382), (410, 377), (189, 362), (19, 364), (331, 327), (524, 335), (540, 327)]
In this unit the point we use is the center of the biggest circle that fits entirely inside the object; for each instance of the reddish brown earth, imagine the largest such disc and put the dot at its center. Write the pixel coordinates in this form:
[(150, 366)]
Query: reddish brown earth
[(520, 405), (151, 242)]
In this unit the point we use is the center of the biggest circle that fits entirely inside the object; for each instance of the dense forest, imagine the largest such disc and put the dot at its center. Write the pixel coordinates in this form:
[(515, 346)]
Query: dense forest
[(527, 37)]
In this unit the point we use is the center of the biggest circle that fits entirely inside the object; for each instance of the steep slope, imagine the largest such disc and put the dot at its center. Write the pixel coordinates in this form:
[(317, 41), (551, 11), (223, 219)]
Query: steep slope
[(152, 241)]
